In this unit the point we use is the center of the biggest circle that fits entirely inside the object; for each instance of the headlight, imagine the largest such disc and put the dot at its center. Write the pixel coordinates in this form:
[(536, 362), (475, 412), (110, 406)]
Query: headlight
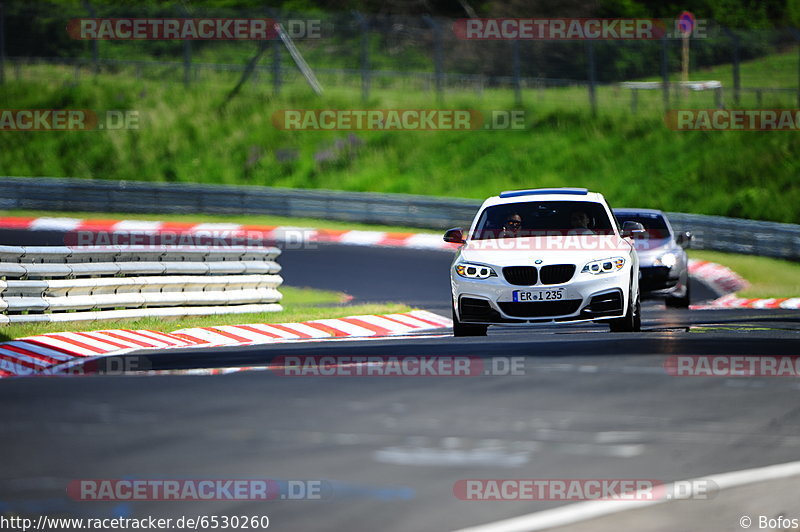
[(667, 259), (595, 267), (474, 271)]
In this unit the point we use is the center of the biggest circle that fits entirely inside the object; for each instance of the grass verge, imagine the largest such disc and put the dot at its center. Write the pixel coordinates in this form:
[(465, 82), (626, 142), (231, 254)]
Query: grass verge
[(300, 304), (633, 158), (767, 277)]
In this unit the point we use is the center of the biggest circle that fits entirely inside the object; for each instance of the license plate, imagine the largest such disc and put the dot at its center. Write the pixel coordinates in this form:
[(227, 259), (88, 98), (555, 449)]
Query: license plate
[(537, 295)]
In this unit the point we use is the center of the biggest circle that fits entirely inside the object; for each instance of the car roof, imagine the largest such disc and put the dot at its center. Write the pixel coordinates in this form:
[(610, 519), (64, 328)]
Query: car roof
[(544, 194)]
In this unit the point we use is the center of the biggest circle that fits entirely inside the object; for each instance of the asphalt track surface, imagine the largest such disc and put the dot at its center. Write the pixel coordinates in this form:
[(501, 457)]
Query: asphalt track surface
[(589, 404)]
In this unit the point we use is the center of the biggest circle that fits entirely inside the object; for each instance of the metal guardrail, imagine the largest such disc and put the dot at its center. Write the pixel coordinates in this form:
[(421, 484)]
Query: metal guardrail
[(63, 194), (58, 283), (66, 194), (737, 235)]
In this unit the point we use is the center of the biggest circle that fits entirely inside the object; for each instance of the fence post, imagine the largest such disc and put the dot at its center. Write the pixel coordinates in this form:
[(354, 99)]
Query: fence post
[(735, 57), (796, 34), (592, 76), (665, 71), (634, 101), (365, 79), (2, 44), (187, 62), (516, 66), (187, 54), (276, 59), (437, 52), (718, 98), (95, 43)]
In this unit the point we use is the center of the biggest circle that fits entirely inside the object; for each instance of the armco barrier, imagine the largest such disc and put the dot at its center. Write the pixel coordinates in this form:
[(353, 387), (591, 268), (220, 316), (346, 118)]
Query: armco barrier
[(75, 195), (58, 283), (87, 195), (737, 235)]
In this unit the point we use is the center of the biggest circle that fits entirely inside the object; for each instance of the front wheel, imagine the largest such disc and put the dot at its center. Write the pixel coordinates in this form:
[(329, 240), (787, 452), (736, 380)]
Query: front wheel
[(632, 321), (467, 329)]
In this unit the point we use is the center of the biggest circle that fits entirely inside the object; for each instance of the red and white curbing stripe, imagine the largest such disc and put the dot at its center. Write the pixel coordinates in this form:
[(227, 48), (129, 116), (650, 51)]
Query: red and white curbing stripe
[(721, 279), (725, 281), (57, 352), (289, 234), (731, 301)]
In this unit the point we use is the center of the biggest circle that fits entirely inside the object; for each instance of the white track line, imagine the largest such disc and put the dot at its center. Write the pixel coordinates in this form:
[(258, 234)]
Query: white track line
[(582, 511)]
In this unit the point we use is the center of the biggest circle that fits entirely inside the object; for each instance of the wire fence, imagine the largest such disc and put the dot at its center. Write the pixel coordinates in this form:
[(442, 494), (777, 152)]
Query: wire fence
[(369, 53)]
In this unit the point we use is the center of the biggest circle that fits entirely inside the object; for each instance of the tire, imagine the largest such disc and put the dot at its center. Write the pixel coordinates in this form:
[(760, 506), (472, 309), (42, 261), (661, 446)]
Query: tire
[(679, 302), (467, 329), (632, 321)]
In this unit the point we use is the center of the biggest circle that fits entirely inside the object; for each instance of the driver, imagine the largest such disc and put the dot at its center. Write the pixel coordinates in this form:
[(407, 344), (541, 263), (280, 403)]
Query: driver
[(511, 226), (579, 223)]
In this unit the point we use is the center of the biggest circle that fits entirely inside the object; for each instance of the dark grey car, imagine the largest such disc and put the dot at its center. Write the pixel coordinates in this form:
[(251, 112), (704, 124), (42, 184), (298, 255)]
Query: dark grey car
[(662, 259)]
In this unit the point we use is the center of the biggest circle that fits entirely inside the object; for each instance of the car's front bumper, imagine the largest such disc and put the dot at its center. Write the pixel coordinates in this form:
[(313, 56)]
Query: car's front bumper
[(586, 297)]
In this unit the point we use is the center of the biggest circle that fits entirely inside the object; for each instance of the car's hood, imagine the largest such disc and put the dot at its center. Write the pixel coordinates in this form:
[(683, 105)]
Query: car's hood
[(549, 249), (655, 245)]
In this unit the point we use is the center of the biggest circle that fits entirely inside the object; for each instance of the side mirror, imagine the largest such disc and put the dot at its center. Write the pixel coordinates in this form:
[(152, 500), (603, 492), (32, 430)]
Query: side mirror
[(632, 230), (683, 238), (454, 236)]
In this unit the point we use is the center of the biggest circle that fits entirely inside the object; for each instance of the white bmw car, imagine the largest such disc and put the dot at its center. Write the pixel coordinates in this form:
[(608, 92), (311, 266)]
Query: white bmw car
[(545, 256)]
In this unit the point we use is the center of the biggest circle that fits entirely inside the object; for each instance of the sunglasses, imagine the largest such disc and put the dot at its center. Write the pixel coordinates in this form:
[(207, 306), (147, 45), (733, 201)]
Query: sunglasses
[(513, 222)]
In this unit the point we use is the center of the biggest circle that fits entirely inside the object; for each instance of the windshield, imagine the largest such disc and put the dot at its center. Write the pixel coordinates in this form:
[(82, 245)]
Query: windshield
[(654, 224), (543, 218)]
